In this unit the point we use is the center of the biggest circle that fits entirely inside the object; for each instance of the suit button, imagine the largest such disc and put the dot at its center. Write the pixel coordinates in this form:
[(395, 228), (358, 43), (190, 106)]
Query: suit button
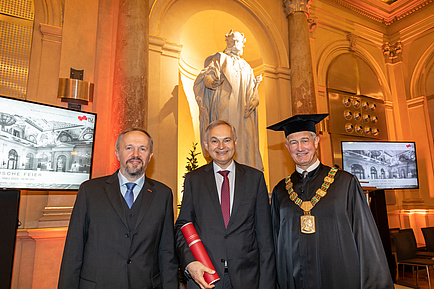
[(226, 236), (127, 235), (129, 262), (131, 215)]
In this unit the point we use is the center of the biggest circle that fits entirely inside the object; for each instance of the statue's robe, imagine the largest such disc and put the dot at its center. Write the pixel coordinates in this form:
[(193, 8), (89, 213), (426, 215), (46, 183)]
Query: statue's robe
[(229, 101)]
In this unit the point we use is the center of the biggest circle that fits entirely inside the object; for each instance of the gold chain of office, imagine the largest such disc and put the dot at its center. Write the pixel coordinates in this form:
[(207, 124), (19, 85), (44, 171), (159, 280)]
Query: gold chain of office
[(307, 221)]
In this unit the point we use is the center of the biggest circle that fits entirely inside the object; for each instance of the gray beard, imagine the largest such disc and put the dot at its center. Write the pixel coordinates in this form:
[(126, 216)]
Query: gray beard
[(135, 170)]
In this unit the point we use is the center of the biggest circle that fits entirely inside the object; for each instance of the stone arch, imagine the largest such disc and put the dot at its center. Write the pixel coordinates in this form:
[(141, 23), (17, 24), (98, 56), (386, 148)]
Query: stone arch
[(49, 12), (271, 43), (419, 78), (330, 51)]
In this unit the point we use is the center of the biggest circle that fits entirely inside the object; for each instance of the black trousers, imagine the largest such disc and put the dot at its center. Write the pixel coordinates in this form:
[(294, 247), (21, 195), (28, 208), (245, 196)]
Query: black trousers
[(226, 281)]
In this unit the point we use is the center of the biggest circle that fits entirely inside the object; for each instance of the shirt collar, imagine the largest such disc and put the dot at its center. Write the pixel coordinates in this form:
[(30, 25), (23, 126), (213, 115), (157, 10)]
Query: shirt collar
[(309, 169), (230, 168), (123, 180)]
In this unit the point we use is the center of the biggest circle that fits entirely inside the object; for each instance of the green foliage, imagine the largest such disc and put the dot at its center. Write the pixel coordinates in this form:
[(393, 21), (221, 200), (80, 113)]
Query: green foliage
[(192, 162)]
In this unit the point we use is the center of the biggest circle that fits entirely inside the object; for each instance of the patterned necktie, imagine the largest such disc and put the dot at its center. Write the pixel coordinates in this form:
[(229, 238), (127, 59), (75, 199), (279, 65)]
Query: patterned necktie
[(129, 196), (225, 198)]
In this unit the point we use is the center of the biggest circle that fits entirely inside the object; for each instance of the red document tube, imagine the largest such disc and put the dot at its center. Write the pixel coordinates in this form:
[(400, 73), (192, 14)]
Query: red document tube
[(198, 251)]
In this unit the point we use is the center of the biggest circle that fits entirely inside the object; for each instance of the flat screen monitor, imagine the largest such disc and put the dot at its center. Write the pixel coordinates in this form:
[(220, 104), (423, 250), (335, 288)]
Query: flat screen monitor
[(44, 147), (382, 164)]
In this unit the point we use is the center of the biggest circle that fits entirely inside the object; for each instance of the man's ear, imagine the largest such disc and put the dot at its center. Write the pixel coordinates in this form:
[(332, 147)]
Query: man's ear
[(205, 144), (316, 142), (117, 155)]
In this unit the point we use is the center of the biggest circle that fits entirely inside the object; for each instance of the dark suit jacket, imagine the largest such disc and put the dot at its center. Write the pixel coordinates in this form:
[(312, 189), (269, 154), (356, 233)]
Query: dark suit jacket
[(247, 243), (100, 251)]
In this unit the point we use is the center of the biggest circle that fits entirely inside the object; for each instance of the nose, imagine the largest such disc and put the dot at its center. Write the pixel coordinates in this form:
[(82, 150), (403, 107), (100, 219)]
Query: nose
[(220, 145), (299, 146), (136, 152)]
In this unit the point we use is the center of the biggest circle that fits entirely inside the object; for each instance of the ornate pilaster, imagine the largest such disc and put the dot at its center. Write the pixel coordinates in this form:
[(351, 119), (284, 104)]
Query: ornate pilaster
[(302, 84)]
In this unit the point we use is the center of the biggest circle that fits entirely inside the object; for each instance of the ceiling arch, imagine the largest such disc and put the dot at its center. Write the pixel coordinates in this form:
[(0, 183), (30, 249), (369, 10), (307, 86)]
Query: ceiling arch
[(173, 19)]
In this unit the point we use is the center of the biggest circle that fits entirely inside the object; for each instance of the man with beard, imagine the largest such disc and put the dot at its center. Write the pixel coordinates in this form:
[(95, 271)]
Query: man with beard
[(121, 229), (324, 233)]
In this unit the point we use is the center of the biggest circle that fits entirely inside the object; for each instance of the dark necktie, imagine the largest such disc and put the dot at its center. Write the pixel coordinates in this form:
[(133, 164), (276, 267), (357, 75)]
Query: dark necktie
[(129, 196), (304, 174), (225, 198)]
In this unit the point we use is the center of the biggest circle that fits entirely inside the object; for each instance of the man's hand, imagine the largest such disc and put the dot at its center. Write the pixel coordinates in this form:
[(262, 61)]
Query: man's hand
[(196, 270)]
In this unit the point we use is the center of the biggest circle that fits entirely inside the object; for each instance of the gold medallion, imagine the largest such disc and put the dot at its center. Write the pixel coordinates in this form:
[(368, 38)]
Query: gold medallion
[(306, 206), (307, 221), (307, 224)]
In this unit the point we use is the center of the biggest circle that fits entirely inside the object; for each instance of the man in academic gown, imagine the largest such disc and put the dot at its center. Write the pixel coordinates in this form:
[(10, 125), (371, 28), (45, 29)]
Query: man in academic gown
[(324, 233)]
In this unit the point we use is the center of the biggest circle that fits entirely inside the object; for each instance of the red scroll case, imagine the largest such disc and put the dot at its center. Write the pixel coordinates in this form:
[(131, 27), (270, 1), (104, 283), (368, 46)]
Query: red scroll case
[(199, 252)]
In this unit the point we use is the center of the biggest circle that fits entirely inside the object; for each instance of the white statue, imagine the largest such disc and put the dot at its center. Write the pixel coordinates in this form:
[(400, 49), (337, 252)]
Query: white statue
[(227, 89)]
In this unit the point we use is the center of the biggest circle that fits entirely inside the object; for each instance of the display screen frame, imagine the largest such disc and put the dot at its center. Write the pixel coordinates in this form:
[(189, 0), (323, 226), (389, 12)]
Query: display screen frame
[(388, 165), (43, 146)]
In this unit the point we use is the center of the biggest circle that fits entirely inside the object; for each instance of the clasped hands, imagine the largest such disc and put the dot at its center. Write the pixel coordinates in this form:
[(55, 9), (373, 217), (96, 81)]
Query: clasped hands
[(196, 270)]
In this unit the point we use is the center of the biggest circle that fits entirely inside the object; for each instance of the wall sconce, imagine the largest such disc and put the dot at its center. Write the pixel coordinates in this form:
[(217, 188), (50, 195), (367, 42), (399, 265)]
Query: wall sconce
[(74, 90)]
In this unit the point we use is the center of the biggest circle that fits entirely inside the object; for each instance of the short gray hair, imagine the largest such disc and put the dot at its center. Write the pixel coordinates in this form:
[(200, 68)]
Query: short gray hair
[(218, 123), (312, 134), (121, 135)]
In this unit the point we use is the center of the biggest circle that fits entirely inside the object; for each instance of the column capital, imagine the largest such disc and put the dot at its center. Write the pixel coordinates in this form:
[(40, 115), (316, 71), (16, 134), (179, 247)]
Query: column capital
[(392, 52), (293, 6)]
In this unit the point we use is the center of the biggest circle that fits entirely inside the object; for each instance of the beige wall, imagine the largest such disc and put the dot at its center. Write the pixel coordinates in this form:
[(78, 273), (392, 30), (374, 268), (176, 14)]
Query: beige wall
[(81, 34)]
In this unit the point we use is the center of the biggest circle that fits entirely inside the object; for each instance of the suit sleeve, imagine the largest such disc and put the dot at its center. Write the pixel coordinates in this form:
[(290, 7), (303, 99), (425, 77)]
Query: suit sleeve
[(167, 255), (70, 269), (264, 235), (186, 215)]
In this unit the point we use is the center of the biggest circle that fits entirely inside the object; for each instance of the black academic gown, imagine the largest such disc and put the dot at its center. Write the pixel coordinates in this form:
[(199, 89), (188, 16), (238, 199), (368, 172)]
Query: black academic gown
[(344, 252)]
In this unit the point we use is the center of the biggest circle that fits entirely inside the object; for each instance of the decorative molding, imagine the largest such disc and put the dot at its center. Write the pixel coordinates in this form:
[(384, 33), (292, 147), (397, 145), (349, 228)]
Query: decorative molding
[(273, 72), (51, 33), (42, 234), (392, 52), (383, 12), (165, 47), (416, 102), (352, 39), (311, 24), (388, 105)]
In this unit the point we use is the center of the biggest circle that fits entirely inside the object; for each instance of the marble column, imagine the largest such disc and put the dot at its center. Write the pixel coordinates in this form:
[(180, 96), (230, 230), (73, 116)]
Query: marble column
[(130, 83), (302, 83)]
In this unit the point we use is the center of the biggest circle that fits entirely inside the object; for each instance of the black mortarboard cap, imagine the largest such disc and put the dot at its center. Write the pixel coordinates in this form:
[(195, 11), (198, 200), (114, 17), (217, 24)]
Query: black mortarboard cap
[(299, 122)]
